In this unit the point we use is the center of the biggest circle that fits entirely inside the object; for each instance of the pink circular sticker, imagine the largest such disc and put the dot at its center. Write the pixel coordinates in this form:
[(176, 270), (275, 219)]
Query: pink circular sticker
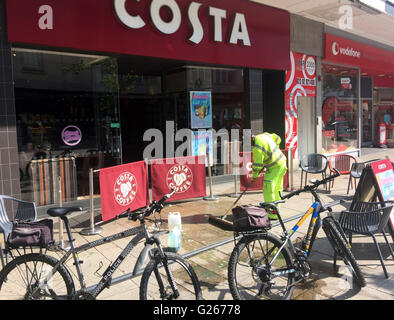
[(71, 135)]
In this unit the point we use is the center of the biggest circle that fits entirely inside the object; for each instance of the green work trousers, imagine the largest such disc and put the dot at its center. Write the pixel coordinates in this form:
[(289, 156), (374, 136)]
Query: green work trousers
[(273, 182)]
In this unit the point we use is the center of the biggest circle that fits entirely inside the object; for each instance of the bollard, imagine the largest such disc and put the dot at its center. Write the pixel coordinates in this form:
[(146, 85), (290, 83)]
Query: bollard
[(210, 197), (235, 151), (63, 244), (290, 169), (93, 229)]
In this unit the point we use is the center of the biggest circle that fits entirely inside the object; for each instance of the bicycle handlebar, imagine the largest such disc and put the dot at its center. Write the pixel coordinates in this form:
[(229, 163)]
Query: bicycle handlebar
[(154, 206), (311, 187)]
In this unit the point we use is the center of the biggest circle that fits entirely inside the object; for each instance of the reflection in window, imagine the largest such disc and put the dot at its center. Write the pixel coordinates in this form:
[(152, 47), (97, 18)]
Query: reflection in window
[(69, 110), (339, 110)]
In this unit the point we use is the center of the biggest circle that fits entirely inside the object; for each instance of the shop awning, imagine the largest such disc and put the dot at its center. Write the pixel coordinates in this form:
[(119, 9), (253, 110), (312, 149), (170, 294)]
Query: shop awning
[(372, 61), (231, 32)]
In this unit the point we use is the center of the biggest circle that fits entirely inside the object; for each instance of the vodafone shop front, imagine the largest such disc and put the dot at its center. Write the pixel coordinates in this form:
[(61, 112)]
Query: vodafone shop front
[(92, 77), (358, 95)]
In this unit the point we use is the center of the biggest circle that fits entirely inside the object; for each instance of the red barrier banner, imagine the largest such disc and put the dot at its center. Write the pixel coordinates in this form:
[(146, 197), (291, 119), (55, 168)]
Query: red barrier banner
[(245, 166), (185, 175), (122, 187)]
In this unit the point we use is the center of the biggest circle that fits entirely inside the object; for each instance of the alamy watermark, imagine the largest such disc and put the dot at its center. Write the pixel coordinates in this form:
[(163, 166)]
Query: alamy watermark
[(346, 17), (223, 146)]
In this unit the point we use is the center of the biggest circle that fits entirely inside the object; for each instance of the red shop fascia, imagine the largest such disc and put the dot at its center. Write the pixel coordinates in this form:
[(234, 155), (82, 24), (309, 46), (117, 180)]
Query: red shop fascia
[(231, 32), (372, 61)]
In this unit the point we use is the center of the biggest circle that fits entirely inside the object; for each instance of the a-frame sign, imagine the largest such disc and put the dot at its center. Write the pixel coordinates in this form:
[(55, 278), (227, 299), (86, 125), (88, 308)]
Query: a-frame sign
[(377, 183)]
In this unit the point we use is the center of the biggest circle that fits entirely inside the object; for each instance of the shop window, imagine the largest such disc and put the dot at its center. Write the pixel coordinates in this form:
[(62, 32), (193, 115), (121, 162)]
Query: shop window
[(67, 111), (340, 109), (228, 109), (32, 62), (366, 110), (384, 113)]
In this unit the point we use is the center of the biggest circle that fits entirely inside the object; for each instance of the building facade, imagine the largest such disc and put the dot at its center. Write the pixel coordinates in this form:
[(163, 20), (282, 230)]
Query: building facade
[(84, 84), (87, 82)]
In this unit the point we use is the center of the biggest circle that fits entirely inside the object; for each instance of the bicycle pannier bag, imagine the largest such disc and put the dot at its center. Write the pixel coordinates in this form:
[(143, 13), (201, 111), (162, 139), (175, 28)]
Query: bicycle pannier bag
[(249, 218), (29, 233)]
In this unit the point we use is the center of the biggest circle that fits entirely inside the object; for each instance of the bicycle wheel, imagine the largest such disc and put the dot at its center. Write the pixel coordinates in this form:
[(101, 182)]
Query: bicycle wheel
[(156, 286), (251, 269), (342, 249), (20, 278)]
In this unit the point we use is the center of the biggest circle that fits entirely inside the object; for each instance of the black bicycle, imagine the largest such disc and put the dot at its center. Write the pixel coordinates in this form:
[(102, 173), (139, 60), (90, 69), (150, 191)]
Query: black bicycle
[(167, 275), (264, 266)]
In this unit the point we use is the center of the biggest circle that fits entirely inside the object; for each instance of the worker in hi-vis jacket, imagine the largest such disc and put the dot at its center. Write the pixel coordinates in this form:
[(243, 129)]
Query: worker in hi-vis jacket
[(266, 154)]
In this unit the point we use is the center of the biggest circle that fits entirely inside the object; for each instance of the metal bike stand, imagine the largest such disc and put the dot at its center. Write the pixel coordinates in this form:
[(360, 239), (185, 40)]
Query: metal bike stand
[(235, 163), (211, 197), (63, 244), (93, 229)]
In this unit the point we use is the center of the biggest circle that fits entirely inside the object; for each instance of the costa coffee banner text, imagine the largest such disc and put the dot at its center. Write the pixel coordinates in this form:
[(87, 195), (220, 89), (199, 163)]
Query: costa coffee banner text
[(122, 187), (219, 32), (185, 175)]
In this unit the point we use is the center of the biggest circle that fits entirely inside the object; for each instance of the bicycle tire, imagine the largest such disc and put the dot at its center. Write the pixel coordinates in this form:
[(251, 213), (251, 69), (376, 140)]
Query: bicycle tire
[(24, 269), (250, 283), (341, 248), (184, 275)]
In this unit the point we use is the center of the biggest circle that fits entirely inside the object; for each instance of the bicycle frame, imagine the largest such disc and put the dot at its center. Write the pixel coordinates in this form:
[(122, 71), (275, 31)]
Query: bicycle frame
[(140, 233), (314, 226)]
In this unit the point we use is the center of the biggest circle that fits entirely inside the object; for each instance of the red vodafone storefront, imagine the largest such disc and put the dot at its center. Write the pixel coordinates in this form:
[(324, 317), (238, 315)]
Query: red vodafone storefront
[(357, 94), (111, 70)]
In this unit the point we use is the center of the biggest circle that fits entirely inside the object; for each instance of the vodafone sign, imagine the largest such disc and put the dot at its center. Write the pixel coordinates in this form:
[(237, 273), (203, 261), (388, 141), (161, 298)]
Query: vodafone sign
[(368, 58), (231, 32), (338, 50)]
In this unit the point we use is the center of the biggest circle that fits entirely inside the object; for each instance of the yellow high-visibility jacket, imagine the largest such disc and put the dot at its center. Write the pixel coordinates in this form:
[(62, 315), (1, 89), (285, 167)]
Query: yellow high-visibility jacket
[(266, 152)]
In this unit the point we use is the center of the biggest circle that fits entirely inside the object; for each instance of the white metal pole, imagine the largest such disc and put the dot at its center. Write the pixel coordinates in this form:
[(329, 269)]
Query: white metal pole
[(93, 229)]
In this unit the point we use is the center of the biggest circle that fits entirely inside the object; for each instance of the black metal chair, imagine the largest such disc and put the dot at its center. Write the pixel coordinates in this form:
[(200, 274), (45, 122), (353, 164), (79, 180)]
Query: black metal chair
[(355, 173), (14, 209), (313, 163), (368, 218)]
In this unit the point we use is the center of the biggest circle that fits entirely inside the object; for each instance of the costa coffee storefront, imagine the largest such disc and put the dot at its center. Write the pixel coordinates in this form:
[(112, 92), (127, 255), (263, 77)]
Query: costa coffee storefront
[(355, 96), (91, 77)]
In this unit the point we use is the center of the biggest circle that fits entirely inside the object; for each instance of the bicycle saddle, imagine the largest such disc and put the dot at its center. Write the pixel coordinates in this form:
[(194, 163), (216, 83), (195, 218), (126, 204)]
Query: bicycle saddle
[(62, 211)]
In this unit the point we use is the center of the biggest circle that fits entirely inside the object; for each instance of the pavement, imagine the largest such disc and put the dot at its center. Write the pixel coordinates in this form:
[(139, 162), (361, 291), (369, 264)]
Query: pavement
[(211, 265)]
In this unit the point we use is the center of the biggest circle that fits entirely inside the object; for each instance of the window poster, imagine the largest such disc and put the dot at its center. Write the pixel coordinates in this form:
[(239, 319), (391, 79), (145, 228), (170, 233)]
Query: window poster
[(300, 81), (202, 144), (201, 109)]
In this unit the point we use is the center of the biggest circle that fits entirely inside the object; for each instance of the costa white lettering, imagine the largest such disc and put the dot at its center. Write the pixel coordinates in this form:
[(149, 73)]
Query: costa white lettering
[(134, 22), (239, 31), (198, 32), (166, 27), (218, 15)]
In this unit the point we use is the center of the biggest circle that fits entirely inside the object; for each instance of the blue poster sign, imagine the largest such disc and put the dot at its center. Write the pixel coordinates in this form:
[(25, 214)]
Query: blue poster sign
[(202, 144), (201, 109)]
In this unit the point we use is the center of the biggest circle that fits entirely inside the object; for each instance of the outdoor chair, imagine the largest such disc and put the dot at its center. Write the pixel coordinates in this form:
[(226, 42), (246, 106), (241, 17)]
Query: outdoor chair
[(368, 218), (343, 163), (355, 173), (313, 163), (24, 210)]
